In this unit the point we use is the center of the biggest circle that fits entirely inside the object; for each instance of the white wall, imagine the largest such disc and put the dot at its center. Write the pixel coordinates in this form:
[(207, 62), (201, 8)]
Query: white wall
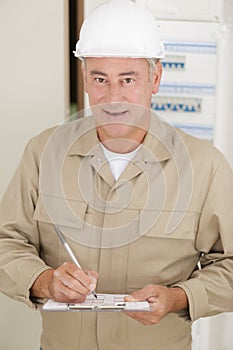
[(33, 97), (214, 333)]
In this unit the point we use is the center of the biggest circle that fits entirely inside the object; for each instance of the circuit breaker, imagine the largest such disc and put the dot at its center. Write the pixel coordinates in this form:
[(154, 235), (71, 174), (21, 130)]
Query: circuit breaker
[(197, 84), (187, 95)]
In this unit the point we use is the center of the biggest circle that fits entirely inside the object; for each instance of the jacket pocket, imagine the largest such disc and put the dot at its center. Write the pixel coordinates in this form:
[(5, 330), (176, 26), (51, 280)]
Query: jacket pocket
[(168, 224), (59, 211), (50, 212), (159, 256)]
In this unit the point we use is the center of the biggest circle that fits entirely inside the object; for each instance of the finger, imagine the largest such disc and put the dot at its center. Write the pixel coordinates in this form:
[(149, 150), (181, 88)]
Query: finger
[(80, 275), (152, 299), (139, 295), (70, 282), (73, 277), (93, 274), (130, 298), (59, 292), (145, 293), (70, 295)]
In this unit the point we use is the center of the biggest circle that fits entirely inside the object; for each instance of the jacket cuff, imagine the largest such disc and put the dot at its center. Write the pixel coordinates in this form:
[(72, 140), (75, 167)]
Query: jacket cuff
[(25, 283), (197, 297)]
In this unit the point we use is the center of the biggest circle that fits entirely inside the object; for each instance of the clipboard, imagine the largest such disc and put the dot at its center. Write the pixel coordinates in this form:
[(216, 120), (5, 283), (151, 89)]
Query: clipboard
[(103, 302)]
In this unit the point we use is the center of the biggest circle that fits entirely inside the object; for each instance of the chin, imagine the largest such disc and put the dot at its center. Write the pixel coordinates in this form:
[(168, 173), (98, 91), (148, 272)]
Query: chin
[(117, 130)]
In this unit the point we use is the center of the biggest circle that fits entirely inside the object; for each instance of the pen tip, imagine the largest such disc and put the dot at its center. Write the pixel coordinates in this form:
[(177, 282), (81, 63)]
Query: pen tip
[(95, 295)]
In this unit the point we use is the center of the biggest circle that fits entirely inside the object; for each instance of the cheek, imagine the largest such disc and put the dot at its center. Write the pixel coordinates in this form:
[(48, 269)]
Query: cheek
[(133, 95), (95, 94), (140, 96)]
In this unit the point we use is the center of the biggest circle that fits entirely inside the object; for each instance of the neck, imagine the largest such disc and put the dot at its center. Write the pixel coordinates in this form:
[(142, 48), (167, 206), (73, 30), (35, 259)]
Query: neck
[(122, 145)]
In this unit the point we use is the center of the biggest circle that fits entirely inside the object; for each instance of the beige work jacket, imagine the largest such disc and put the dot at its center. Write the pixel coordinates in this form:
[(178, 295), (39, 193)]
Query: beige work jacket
[(167, 220)]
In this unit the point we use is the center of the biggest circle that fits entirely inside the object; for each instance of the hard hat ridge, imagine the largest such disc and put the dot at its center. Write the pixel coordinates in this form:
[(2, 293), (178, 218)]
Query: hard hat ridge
[(119, 28)]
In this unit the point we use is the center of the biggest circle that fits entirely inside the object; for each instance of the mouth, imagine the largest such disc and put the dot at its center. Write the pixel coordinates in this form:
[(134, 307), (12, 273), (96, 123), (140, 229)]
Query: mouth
[(115, 114)]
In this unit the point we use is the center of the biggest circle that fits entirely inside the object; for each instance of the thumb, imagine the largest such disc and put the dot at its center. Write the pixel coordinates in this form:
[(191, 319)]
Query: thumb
[(133, 297), (130, 298), (140, 295)]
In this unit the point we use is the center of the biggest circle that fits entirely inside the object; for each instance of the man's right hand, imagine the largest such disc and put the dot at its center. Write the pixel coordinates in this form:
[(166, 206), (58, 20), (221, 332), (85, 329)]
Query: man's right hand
[(66, 284)]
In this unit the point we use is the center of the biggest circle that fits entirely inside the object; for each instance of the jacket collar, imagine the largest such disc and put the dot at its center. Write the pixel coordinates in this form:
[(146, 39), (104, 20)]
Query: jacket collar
[(157, 145)]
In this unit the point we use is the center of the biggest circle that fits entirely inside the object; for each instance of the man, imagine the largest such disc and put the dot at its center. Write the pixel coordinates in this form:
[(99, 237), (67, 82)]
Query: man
[(145, 208)]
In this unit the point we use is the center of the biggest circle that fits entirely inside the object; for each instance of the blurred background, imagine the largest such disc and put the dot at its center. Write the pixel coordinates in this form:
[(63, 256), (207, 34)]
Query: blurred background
[(40, 85)]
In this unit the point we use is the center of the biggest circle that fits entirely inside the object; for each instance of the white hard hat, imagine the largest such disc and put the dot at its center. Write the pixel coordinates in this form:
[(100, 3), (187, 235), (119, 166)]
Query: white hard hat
[(119, 28)]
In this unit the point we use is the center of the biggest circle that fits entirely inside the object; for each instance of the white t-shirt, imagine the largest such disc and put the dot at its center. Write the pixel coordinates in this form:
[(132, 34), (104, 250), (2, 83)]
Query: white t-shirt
[(118, 161)]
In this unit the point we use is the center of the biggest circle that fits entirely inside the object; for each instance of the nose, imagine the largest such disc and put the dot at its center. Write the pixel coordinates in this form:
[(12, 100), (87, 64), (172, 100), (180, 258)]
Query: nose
[(115, 93)]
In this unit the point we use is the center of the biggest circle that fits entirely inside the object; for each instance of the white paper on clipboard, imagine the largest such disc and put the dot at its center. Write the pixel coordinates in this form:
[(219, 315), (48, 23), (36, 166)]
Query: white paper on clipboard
[(103, 302)]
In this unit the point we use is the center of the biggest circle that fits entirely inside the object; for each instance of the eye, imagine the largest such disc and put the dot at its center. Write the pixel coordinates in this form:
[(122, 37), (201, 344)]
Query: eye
[(100, 80), (128, 81)]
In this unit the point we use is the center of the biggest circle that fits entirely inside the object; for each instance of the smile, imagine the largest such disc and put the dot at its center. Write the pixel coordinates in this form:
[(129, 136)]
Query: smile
[(115, 114)]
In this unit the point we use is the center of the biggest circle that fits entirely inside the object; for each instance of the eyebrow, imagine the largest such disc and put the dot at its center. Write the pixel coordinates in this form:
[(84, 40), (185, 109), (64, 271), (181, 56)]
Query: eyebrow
[(132, 72), (96, 72)]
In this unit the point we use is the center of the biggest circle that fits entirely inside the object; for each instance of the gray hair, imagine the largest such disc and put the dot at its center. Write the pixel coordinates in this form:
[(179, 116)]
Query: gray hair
[(152, 66)]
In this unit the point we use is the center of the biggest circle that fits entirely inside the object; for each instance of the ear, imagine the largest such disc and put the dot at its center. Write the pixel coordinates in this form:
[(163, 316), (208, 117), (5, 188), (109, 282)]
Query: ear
[(84, 76), (157, 78)]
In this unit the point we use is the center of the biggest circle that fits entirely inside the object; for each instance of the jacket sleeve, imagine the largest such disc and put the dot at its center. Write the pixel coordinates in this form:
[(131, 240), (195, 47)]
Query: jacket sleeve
[(210, 288), (20, 263)]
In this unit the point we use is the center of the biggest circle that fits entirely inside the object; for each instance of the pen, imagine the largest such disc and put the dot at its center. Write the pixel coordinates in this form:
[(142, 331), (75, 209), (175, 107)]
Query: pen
[(69, 250)]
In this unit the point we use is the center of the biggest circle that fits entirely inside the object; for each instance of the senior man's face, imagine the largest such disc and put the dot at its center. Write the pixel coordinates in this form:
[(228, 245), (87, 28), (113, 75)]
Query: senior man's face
[(121, 88)]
